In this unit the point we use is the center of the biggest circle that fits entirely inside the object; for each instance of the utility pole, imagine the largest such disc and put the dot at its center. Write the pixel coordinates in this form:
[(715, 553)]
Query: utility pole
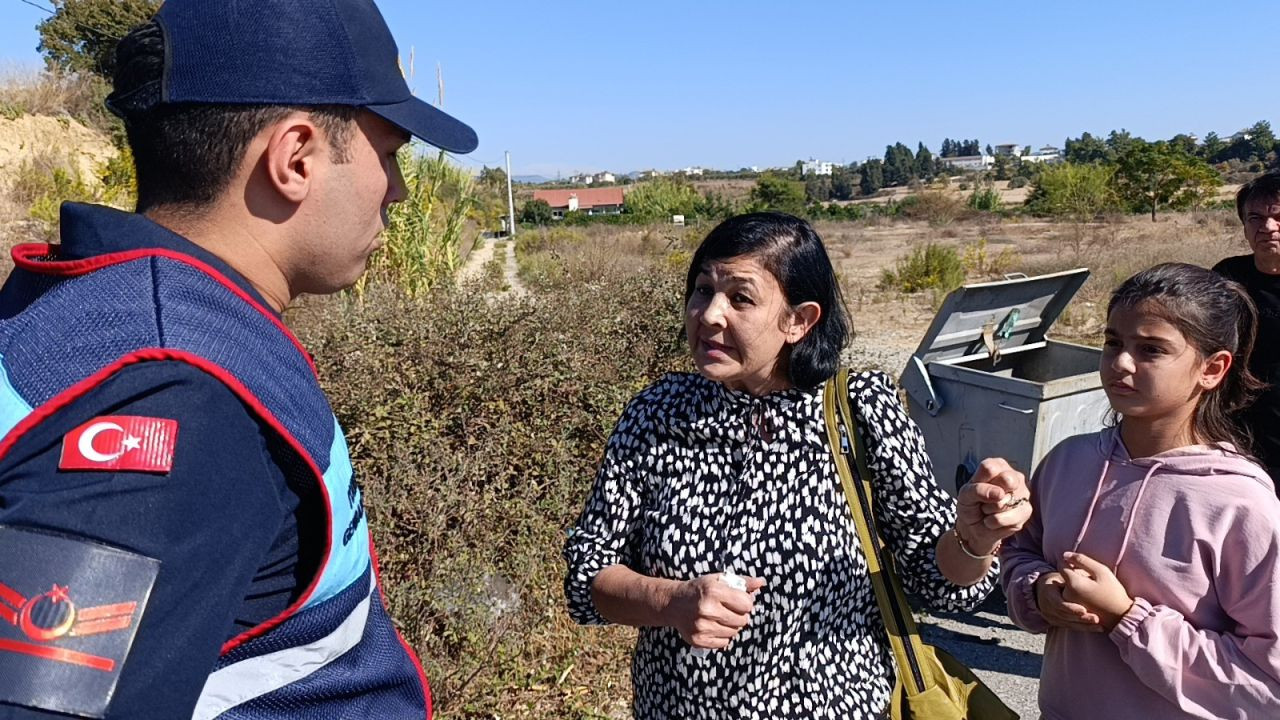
[(511, 199)]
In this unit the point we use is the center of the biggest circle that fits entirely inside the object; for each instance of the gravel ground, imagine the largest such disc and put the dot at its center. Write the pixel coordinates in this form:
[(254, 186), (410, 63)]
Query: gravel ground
[(1005, 657)]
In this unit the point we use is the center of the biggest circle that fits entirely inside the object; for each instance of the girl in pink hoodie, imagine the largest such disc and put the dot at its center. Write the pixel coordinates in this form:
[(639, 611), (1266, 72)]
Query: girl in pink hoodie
[(1153, 557)]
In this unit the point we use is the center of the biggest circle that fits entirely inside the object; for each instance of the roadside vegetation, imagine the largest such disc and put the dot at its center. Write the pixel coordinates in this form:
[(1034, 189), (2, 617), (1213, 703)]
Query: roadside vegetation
[(476, 420)]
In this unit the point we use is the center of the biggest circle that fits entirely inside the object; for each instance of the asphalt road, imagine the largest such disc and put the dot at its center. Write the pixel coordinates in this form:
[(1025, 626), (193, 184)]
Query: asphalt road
[(1004, 656)]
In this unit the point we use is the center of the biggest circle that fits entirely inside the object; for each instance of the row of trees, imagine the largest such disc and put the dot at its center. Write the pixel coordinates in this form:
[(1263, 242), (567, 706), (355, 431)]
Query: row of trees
[(1138, 176), (1253, 144), (1141, 176)]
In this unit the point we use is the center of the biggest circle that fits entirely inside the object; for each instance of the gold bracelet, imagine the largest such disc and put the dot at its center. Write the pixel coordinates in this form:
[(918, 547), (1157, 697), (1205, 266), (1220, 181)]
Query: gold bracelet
[(964, 547)]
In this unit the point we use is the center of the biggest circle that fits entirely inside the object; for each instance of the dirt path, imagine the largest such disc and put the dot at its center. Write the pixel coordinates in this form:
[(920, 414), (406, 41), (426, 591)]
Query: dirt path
[(480, 254), (487, 251)]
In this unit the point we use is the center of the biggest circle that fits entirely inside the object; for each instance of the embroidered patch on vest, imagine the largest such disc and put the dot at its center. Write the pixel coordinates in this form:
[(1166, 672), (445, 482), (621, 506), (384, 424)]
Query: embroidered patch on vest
[(69, 608), (121, 442)]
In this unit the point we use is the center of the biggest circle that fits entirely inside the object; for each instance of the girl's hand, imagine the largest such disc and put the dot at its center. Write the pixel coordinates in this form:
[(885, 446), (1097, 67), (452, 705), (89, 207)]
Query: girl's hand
[(708, 613), (1057, 611), (1093, 585), (993, 505)]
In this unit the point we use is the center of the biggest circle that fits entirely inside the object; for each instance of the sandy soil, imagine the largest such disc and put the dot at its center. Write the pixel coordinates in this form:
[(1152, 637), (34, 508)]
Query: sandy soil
[(29, 136)]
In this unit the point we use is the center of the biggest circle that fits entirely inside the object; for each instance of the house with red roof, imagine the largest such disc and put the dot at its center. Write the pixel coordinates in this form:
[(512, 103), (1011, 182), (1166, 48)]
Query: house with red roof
[(590, 201)]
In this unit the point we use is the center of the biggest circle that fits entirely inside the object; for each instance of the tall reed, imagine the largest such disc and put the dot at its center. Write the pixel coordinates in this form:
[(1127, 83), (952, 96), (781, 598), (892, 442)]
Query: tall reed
[(424, 231)]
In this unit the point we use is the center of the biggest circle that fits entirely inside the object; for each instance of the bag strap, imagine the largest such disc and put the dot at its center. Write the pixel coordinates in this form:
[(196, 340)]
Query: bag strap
[(899, 624)]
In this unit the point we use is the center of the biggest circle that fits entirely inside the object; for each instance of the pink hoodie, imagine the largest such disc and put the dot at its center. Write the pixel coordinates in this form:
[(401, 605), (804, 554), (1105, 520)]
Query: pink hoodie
[(1194, 536)]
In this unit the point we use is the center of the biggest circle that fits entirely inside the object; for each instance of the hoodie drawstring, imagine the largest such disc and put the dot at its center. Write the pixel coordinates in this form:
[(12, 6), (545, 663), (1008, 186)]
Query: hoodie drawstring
[(1133, 510)]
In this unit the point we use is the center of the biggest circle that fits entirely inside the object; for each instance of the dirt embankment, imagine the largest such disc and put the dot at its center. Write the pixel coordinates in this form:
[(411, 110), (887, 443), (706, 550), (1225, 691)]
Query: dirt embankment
[(28, 138)]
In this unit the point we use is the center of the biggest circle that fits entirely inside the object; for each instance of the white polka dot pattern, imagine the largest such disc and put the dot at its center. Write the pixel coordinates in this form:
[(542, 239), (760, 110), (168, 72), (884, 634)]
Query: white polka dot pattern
[(698, 478)]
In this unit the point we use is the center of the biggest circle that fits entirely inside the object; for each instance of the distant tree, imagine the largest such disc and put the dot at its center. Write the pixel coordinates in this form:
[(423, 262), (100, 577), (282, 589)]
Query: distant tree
[(1151, 175), (844, 184), (948, 148), (988, 150), (1075, 191), (872, 177), (1086, 149), (797, 170), (1184, 143), (899, 164), (1261, 140), (662, 197), (925, 166), (493, 179), (713, 206), (1119, 141), (778, 193), (1002, 169), (969, 147), (817, 188), (81, 35), (536, 212), (1211, 147)]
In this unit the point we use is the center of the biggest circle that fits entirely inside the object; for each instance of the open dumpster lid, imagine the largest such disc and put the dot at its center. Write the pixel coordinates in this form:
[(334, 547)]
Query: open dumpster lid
[(1007, 314)]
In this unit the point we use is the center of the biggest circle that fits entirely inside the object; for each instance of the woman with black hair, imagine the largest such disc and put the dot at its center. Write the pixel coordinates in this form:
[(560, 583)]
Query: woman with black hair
[(717, 523)]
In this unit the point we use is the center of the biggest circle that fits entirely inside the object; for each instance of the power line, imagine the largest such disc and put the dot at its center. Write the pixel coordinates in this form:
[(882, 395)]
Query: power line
[(38, 7), (106, 34)]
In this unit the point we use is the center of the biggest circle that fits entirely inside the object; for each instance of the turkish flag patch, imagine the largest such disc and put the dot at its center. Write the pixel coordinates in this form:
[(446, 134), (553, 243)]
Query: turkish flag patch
[(121, 442)]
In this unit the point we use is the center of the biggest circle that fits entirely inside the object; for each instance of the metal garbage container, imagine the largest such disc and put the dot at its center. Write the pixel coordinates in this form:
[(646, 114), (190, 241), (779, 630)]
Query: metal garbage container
[(986, 382)]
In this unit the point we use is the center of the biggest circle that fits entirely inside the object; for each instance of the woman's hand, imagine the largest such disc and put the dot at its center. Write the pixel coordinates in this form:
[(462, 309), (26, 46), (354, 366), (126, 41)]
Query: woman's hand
[(1055, 608), (1093, 585), (708, 613), (992, 506)]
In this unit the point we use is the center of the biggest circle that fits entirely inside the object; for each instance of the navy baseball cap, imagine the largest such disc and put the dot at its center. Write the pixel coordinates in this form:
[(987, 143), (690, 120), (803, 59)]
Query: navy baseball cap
[(296, 52)]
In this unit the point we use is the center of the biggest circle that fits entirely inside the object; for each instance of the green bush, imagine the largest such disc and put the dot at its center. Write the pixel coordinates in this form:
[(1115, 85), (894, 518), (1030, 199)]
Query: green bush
[(44, 182), (1073, 191), (475, 427), (932, 267), (984, 199)]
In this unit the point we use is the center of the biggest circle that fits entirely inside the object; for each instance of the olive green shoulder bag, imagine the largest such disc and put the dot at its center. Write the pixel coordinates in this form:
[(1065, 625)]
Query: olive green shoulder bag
[(931, 684)]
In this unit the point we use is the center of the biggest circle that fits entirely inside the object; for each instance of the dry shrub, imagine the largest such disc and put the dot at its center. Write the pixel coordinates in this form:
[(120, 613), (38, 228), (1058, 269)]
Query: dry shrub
[(476, 425), (934, 206), (1119, 248), (558, 257), (45, 93)]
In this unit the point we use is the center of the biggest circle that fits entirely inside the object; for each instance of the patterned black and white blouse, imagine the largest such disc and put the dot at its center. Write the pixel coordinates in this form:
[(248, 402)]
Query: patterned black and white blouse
[(697, 479)]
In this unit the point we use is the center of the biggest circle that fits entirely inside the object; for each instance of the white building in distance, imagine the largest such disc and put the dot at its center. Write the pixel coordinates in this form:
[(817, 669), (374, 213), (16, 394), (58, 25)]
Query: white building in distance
[(816, 167), (969, 162), (1046, 154)]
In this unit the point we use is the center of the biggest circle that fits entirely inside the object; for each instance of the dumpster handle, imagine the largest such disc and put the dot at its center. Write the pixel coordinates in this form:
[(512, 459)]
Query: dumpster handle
[(1024, 411)]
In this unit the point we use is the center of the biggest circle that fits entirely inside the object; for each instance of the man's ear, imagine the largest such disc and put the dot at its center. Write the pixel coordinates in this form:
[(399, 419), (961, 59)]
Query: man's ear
[(803, 317), (290, 156)]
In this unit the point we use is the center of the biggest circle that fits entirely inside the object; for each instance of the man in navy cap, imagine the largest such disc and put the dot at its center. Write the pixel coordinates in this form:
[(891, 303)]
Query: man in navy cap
[(182, 534)]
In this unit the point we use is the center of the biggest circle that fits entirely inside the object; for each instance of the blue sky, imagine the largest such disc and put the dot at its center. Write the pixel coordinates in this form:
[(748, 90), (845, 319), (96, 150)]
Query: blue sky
[(584, 86)]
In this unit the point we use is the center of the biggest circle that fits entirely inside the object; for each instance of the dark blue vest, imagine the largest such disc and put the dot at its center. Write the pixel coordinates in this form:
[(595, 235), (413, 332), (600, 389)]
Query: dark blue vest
[(334, 653)]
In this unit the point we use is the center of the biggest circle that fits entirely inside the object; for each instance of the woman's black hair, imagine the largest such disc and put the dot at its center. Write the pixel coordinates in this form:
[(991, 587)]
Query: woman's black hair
[(793, 253), (1213, 314)]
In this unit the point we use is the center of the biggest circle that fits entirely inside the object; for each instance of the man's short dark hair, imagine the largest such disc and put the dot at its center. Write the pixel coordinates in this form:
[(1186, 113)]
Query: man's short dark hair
[(1266, 185), (186, 154)]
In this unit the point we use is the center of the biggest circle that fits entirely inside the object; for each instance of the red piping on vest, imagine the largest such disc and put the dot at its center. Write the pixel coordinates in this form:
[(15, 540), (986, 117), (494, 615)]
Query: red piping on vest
[(26, 257), (422, 673), (66, 397)]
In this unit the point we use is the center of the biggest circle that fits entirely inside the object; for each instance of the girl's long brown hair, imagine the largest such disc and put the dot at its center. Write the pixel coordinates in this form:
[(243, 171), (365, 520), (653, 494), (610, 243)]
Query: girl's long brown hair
[(1213, 314)]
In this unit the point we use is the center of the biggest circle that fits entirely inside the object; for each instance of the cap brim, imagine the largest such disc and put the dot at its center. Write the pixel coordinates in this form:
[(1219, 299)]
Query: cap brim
[(428, 123)]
